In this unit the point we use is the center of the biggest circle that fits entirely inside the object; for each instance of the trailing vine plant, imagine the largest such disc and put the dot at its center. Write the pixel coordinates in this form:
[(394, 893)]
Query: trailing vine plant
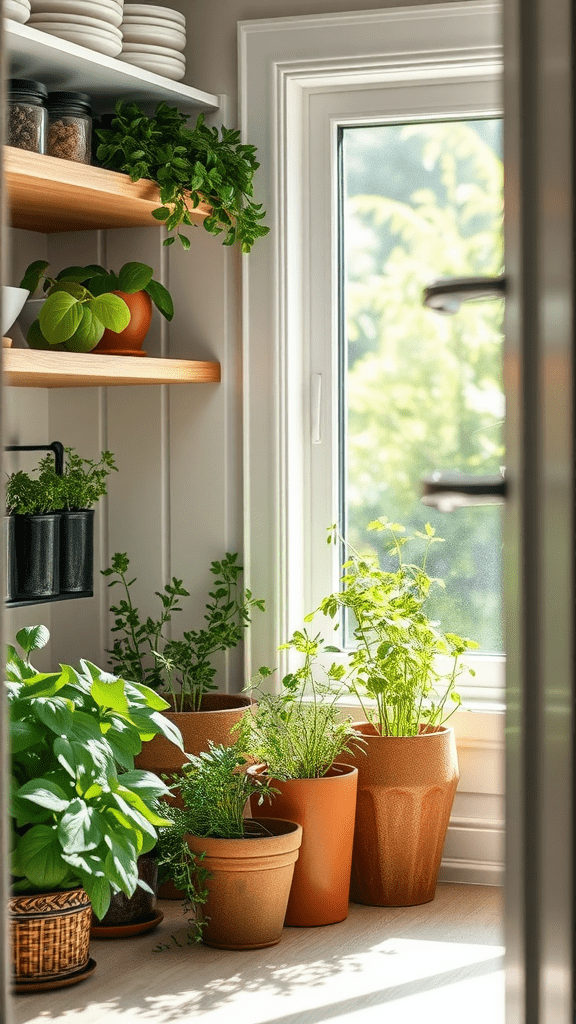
[(189, 166)]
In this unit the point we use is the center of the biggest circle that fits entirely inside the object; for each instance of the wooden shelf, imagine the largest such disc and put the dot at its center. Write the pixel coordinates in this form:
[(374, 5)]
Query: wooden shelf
[(63, 65), (32, 368), (47, 194)]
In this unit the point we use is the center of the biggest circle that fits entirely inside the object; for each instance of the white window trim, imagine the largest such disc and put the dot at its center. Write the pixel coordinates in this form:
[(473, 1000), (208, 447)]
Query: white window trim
[(282, 62)]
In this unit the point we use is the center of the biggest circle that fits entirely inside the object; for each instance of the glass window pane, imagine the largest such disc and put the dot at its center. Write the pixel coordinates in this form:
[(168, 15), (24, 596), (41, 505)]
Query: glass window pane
[(422, 391)]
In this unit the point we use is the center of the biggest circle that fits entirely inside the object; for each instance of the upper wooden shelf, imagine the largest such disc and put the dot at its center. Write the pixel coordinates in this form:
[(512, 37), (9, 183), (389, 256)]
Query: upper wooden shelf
[(48, 194), (63, 65), (33, 368)]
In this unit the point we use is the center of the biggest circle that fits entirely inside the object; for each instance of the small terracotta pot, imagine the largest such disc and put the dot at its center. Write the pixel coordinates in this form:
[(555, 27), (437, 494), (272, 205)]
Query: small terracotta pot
[(406, 787), (129, 341), (325, 808), (249, 885), (219, 712)]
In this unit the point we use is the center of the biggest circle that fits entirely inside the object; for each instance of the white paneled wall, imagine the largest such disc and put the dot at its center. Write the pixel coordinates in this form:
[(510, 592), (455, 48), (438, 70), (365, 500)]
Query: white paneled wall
[(175, 504)]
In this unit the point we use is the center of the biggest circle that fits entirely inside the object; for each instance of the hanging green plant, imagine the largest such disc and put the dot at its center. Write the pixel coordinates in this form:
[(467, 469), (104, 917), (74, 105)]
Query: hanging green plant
[(189, 166)]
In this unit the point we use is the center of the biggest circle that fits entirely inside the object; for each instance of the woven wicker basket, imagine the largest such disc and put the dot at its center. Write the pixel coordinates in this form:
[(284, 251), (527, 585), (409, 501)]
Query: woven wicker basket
[(50, 934)]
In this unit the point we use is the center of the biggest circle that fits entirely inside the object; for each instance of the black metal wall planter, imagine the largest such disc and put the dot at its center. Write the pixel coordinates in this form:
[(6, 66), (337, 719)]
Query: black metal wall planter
[(48, 557)]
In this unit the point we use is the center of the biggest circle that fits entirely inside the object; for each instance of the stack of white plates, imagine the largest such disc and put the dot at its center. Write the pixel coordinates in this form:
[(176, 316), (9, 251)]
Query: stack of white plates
[(153, 39), (91, 23), (17, 10)]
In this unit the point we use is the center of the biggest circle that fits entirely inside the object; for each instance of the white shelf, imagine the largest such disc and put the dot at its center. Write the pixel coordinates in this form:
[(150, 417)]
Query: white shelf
[(63, 65)]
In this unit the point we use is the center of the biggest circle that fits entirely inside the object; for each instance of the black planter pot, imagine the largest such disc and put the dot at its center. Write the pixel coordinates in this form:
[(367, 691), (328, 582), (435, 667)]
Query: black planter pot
[(37, 548), (77, 552), (10, 558), (126, 910)]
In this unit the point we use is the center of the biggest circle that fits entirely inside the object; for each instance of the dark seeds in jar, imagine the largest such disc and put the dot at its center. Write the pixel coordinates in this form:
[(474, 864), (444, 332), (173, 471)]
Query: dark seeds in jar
[(25, 127)]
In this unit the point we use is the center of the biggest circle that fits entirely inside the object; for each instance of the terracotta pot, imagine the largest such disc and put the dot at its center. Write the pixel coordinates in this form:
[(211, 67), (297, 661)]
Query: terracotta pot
[(219, 712), (249, 885), (406, 787), (50, 935), (325, 808), (129, 341)]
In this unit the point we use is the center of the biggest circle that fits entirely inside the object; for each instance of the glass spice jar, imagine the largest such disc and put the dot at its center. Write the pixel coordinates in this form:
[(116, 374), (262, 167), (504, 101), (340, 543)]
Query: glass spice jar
[(69, 126), (27, 115)]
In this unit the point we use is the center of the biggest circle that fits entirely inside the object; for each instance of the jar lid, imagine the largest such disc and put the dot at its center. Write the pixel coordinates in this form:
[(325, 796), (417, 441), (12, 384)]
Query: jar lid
[(71, 102), (24, 88)]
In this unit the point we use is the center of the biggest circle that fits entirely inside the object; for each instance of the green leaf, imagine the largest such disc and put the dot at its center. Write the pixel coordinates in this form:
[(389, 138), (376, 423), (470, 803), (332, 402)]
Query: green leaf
[(104, 283), (146, 784), (134, 277), (168, 729), (107, 690), (80, 274), (112, 311), (44, 793), (79, 828), (40, 857), (87, 334), (153, 699), (162, 213), (32, 638), (121, 864), (33, 275), (55, 713), (35, 338), (24, 735), (59, 317), (98, 889), (161, 298)]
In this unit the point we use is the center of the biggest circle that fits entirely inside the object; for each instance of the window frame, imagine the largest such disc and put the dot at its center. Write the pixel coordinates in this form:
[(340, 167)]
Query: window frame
[(335, 55)]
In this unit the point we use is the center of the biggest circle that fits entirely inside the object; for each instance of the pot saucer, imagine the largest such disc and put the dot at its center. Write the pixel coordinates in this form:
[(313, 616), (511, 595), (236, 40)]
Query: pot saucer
[(125, 931), (44, 986), (122, 352)]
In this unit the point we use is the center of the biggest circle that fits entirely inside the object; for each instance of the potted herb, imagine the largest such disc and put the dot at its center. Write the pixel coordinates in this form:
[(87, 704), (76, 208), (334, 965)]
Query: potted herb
[(134, 285), (190, 166), (33, 502), (71, 317), (408, 777), (235, 872), (80, 813), (82, 484), (298, 738), (182, 668)]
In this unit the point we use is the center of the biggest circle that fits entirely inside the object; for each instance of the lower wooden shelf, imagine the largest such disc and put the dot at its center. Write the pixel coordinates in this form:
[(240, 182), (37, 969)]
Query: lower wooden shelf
[(34, 368), (17, 603)]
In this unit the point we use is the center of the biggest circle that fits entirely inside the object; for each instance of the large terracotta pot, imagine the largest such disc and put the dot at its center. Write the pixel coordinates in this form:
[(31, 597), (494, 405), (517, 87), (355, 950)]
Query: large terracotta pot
[(325, 808), (406, 787), (219, 712), (248, 886), (129, 341), (50, 935)]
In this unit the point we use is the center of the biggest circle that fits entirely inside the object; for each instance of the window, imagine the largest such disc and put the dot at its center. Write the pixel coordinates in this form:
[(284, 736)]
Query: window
[(438, 66), (418, 391)]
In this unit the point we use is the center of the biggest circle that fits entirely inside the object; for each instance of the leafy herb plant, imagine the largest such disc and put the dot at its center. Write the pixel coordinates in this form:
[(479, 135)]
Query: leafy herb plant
[(72, 317), (189, 165), (398, 649), (83, 481), (181, 667), (80, 813), (298, 733), (28, 495), (214, 790)]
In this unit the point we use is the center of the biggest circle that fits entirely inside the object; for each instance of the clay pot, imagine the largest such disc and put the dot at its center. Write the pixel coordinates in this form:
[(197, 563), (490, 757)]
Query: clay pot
[(129, 341), (325, 808), (219, 712), (406, 787), (249, 885)]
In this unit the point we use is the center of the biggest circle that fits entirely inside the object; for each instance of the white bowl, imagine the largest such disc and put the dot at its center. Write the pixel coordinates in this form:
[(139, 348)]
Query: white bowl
[(105, 10), (15, 11), (22, 3), (76, 19), (153, 59), (150, 11), (174, 70), (92, 38), (157, 35), (13, 300), (144, 50)]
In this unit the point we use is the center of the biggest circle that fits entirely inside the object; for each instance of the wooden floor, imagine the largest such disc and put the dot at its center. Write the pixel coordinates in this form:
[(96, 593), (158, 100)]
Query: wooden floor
[(437, 964)]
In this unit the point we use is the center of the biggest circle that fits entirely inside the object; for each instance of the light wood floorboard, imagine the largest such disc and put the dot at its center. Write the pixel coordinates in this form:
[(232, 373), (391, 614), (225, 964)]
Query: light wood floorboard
[(441, 963)]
